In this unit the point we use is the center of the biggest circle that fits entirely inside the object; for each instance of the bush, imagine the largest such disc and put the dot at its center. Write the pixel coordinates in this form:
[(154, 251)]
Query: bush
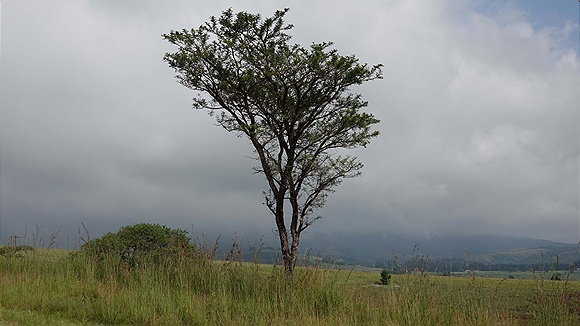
[(385, 277), (139, 241), (14, 250)]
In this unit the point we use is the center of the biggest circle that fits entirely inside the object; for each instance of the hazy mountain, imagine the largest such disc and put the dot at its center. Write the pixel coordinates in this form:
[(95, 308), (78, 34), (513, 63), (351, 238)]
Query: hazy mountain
[(377, 247)]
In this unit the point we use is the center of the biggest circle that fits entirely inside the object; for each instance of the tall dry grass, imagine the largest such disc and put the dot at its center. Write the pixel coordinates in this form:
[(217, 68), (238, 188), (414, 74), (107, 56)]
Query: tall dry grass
[(69, 288)]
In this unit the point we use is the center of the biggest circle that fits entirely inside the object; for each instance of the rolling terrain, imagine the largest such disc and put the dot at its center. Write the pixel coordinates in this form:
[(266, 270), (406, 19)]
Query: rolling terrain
[(377, 248)]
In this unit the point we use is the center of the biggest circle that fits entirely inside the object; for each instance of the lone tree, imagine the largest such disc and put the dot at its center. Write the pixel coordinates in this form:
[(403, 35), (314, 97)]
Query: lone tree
[(292, 103)]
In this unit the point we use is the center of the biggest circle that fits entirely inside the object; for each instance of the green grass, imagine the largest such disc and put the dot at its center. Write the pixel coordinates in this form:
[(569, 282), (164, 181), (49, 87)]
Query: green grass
[(60, 288)]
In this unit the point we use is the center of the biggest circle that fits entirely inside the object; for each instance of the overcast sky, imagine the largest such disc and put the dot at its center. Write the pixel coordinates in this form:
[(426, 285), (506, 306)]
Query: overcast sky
[(478, 106)]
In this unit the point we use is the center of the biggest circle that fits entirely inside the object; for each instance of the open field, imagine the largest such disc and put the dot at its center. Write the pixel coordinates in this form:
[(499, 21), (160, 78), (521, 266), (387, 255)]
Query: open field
[(59, 288)]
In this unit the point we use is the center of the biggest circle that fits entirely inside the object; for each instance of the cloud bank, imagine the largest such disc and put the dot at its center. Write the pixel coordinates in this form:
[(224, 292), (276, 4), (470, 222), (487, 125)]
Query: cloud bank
[(479, 131)]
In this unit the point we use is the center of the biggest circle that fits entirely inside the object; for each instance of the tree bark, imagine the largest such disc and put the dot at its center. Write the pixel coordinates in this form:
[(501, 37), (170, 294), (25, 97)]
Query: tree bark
[(287, 254)]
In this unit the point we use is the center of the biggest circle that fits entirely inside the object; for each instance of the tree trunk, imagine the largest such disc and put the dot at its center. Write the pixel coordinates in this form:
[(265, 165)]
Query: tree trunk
[(288, 256), (289, 249)]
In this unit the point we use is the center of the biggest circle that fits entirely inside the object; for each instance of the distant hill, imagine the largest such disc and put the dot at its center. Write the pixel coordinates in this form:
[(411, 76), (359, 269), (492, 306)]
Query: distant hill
[(375, 248)]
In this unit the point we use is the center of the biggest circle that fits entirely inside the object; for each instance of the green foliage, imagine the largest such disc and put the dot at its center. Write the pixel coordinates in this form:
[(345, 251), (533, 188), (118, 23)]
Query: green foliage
[(139, 241), (385, 277)]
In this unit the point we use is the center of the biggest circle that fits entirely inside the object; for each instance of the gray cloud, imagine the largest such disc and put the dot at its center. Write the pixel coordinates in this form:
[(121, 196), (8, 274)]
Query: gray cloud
[(478, 133)]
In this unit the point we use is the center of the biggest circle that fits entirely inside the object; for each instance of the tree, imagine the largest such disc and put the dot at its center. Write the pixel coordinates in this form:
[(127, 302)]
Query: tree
[(385, 277), (292, 103)]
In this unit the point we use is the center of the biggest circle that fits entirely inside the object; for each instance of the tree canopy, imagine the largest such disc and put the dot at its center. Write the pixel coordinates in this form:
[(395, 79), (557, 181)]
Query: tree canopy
[(294, 104)]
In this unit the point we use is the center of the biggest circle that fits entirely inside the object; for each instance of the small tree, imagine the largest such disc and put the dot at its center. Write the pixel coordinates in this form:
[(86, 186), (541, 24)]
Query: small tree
[(385, 277), (292, 103)]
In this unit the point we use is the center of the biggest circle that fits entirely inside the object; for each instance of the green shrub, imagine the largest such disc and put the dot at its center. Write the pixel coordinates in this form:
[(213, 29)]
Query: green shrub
[(10, 251), (140, 241), (385, 277)]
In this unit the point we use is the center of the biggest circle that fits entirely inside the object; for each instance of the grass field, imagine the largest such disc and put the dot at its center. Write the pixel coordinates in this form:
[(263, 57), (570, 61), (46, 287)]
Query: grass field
[(57, 287)]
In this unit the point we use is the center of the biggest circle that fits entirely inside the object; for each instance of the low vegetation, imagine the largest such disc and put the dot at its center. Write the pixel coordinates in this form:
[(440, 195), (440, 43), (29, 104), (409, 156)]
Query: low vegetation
[(185, 285), (10, 251), (139, 243), (385, 277)]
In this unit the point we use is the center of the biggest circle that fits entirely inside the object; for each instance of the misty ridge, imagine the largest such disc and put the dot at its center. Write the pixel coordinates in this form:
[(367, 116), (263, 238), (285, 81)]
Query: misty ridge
[(380, 249), (370, 248)]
